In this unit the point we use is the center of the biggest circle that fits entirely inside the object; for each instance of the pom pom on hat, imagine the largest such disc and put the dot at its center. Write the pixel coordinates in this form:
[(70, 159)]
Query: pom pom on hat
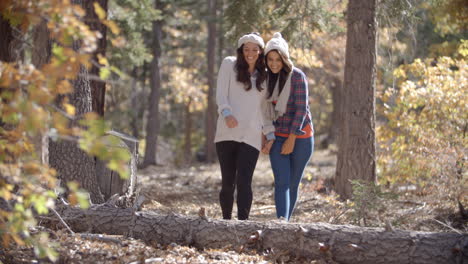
[(278, 43), (253, 38)]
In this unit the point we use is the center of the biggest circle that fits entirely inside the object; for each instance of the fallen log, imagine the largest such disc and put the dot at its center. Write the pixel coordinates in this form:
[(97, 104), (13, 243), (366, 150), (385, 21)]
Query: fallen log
[(341, 243)]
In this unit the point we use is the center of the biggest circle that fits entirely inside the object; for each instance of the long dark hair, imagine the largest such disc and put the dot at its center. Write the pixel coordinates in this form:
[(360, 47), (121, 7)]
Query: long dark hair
[(242, 69), (273, 77)]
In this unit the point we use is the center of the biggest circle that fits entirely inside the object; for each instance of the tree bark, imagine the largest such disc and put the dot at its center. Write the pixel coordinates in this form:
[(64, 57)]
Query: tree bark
[(188, 134), (336, 90), (210, 119), (341, 243), (152, 126), (98, 88), (40, 55), (134, 115), (356, 156), (70, 162), (6, 55), (6, 49)]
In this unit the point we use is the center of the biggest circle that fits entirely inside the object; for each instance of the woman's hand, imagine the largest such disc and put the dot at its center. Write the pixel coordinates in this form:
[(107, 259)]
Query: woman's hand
[(231, 121), (267, 146), (288, 145)]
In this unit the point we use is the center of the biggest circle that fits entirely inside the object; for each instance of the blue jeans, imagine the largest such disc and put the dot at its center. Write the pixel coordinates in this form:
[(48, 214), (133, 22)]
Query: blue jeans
[(288, 171)]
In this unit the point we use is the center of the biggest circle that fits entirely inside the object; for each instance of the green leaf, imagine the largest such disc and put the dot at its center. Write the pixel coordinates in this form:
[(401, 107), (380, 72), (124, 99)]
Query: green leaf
[(104, 73)]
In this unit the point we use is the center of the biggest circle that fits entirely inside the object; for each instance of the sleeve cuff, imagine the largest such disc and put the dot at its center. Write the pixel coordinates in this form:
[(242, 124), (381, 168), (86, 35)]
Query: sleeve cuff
[(270, 136), (226, 112), (299, 132)]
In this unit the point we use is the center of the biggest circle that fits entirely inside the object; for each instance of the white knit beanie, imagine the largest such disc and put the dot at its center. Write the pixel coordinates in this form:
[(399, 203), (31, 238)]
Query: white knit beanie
[(278, 43), (251, 37)]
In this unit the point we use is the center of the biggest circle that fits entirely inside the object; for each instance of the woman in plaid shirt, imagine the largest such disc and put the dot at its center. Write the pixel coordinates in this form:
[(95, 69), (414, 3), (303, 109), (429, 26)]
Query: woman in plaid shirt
[(287, 104)]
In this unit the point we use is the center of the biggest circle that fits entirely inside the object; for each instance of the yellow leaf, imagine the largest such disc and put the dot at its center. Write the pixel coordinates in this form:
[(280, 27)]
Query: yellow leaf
[(64, 87), (100, 12), (91, 116), (6, 240), (118, 42), (18, 239), (70, 109), (112, 26), (72, 199), (102, 60)]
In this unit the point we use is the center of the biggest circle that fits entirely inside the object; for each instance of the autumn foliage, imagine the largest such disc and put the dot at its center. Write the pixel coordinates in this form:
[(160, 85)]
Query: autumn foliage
[(425, 139), (29, 112)]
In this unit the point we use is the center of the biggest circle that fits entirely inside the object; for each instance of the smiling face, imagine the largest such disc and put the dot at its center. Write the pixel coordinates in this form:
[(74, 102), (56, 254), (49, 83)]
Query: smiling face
[(251, 52), (274, 61)]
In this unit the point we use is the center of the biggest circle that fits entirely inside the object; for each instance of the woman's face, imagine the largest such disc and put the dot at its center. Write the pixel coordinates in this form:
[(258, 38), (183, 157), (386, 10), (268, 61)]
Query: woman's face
[(251, 52), (274, 61)]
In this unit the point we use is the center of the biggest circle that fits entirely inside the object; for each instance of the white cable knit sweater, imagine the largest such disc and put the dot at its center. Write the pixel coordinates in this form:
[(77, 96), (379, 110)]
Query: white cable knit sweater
[(244, 105)]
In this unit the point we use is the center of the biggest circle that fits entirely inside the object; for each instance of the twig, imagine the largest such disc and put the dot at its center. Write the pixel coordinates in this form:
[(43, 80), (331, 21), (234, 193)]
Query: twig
[(411, 202), (335, 217), (150, 260), (444, 224), (263, 208), (100, 237), (65, 114), (63, 222)]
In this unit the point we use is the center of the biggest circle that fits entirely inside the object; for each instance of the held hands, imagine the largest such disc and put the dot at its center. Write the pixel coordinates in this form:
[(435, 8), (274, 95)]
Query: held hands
[(266, 147), (231, 121), (288, 145)]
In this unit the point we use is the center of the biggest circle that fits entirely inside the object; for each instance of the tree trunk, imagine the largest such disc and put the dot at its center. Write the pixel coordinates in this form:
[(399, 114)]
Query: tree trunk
[(336, 89), (6, 49), (40, 55), (6, 55), (220, 37), (72, 163), (134, 115), (152, 126), (188, 134), (210, 120), (341, 243), (98, 88), (356, 156)]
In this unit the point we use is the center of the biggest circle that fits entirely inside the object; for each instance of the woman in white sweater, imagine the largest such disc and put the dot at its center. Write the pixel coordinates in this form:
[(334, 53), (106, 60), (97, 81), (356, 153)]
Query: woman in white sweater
[(239, 128)]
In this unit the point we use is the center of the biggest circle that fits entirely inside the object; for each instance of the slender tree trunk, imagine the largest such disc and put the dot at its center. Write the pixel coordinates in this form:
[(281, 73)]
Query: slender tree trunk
[(6, 55), (210, 120), (6, 48), (220, 37), (135, 105), (313, 241), (152, 126), (98, 88), (336, 89), (40, 55), (356, 157), (188, 134)]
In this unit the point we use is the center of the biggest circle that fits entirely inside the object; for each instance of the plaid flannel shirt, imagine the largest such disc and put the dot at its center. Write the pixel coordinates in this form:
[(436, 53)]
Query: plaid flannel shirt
[(297, 114)]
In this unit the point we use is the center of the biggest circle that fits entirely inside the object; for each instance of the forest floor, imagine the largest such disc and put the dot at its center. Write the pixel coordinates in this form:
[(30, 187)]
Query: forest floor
[(186, 190)]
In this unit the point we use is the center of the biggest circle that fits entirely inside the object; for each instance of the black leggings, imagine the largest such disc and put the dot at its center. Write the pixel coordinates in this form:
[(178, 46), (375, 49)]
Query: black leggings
[(237, 161)]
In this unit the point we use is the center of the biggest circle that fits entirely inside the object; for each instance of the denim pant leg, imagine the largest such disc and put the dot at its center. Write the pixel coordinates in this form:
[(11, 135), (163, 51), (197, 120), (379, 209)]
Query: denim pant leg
[(246, 161), (303, 149), (281, 167)]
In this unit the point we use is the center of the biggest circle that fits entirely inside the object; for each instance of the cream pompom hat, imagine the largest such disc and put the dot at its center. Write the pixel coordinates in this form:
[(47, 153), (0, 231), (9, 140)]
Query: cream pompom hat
[(251, 37), (278, 43)]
